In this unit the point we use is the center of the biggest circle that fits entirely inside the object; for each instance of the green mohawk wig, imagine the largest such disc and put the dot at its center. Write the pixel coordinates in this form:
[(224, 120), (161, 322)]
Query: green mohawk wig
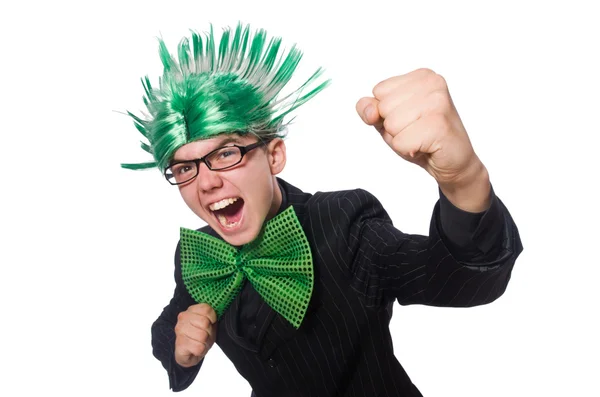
[(208, 91)]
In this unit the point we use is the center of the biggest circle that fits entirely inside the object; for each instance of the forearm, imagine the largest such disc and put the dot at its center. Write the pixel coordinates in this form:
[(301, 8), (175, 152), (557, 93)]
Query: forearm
[(466, 259), (473, 227), (483, 246)]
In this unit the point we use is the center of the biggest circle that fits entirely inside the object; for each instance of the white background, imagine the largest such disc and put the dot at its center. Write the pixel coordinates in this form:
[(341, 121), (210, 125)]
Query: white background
[(87, 247)]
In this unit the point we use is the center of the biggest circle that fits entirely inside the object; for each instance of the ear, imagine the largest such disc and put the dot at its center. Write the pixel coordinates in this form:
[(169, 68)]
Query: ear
[(276, 155)]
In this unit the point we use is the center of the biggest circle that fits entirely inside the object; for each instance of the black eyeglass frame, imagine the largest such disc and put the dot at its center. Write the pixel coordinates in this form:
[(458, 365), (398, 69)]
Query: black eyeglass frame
[(243, 151)]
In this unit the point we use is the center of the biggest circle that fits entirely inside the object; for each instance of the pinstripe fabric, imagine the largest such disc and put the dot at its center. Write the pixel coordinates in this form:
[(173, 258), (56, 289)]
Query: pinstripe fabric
[(363, 264)]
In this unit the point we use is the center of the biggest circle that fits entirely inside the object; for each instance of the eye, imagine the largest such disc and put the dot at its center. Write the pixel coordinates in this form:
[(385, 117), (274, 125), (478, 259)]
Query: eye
[(182, 169), (226, 153)]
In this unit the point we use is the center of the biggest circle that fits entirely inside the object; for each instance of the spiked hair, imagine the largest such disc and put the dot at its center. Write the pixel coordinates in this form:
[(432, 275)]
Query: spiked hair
[(209, 92)]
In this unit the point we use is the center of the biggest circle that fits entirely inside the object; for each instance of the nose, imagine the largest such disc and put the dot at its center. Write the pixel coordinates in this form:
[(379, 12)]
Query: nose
[(208, 179)]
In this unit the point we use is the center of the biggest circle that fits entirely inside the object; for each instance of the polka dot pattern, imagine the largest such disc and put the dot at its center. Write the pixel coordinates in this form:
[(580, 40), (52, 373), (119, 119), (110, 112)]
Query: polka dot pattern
[(278, 263)]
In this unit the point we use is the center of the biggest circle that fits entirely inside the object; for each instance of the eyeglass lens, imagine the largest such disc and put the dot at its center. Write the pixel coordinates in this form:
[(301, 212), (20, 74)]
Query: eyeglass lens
[(219, 159)]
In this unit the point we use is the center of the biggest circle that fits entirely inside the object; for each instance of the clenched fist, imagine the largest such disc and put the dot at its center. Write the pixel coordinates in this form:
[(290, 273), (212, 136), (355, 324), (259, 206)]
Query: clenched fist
[(416, 117), (195, 333)]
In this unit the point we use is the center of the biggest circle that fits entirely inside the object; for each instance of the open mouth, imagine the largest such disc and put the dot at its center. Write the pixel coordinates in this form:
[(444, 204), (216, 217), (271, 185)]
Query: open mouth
[(228, 211)]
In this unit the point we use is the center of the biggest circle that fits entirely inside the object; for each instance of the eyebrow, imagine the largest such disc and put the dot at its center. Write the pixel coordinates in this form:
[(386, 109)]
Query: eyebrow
[(229, 140), (224, 141)]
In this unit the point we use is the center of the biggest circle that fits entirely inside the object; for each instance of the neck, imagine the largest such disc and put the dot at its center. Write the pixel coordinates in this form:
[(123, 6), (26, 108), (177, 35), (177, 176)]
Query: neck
[(277, 199)]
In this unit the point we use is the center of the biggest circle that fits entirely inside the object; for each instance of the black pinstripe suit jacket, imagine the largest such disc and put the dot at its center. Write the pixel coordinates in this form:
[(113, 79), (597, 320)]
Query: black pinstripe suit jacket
[(363, 264)]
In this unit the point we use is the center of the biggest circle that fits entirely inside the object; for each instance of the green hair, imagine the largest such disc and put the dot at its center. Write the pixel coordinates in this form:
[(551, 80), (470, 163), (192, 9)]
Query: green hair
[(209, 91)]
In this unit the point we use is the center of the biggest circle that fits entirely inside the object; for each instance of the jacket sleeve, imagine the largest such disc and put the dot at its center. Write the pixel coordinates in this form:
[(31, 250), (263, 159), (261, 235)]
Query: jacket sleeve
[(466, 260), (163, 335)]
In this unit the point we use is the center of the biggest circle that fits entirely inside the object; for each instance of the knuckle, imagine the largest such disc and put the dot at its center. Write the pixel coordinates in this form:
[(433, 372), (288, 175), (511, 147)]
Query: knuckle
[(181, 317), (384, 108), (425, 71), (388, 124), (441, 100), (378, 90), (205, 309), (205, 335), (205, 322), (199, 349), (424, 75), (399, 146), (178, 328), (438, 82)]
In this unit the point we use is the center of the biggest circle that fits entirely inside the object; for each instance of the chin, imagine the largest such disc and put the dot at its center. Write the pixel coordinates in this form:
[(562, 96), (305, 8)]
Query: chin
[(240, 238)]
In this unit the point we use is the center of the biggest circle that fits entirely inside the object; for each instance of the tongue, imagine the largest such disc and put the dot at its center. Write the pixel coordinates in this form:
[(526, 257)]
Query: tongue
[(232, 212)]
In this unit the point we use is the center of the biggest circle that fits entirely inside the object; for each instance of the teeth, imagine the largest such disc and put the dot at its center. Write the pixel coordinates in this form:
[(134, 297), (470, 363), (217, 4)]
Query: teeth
[(222, 204), (223, 222)]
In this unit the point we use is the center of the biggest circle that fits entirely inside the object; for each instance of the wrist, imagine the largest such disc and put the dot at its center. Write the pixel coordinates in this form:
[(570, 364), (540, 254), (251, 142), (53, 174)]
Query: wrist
[(472, 191)]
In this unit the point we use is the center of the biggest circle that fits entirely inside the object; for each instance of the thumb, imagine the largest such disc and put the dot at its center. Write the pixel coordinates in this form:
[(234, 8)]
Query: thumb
[(368, 110)]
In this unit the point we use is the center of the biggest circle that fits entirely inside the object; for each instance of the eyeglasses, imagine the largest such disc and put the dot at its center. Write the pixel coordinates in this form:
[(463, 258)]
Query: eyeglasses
[(219, 159)]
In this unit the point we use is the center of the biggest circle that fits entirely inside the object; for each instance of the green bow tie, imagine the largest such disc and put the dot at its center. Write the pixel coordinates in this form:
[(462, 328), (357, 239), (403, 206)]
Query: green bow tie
[(278, 264)]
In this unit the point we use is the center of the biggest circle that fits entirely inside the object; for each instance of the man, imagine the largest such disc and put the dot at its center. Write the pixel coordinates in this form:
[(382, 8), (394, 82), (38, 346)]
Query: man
[(296, 288)]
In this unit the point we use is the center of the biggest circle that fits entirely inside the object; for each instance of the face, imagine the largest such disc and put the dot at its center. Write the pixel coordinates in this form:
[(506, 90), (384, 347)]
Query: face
[(237, 201)]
